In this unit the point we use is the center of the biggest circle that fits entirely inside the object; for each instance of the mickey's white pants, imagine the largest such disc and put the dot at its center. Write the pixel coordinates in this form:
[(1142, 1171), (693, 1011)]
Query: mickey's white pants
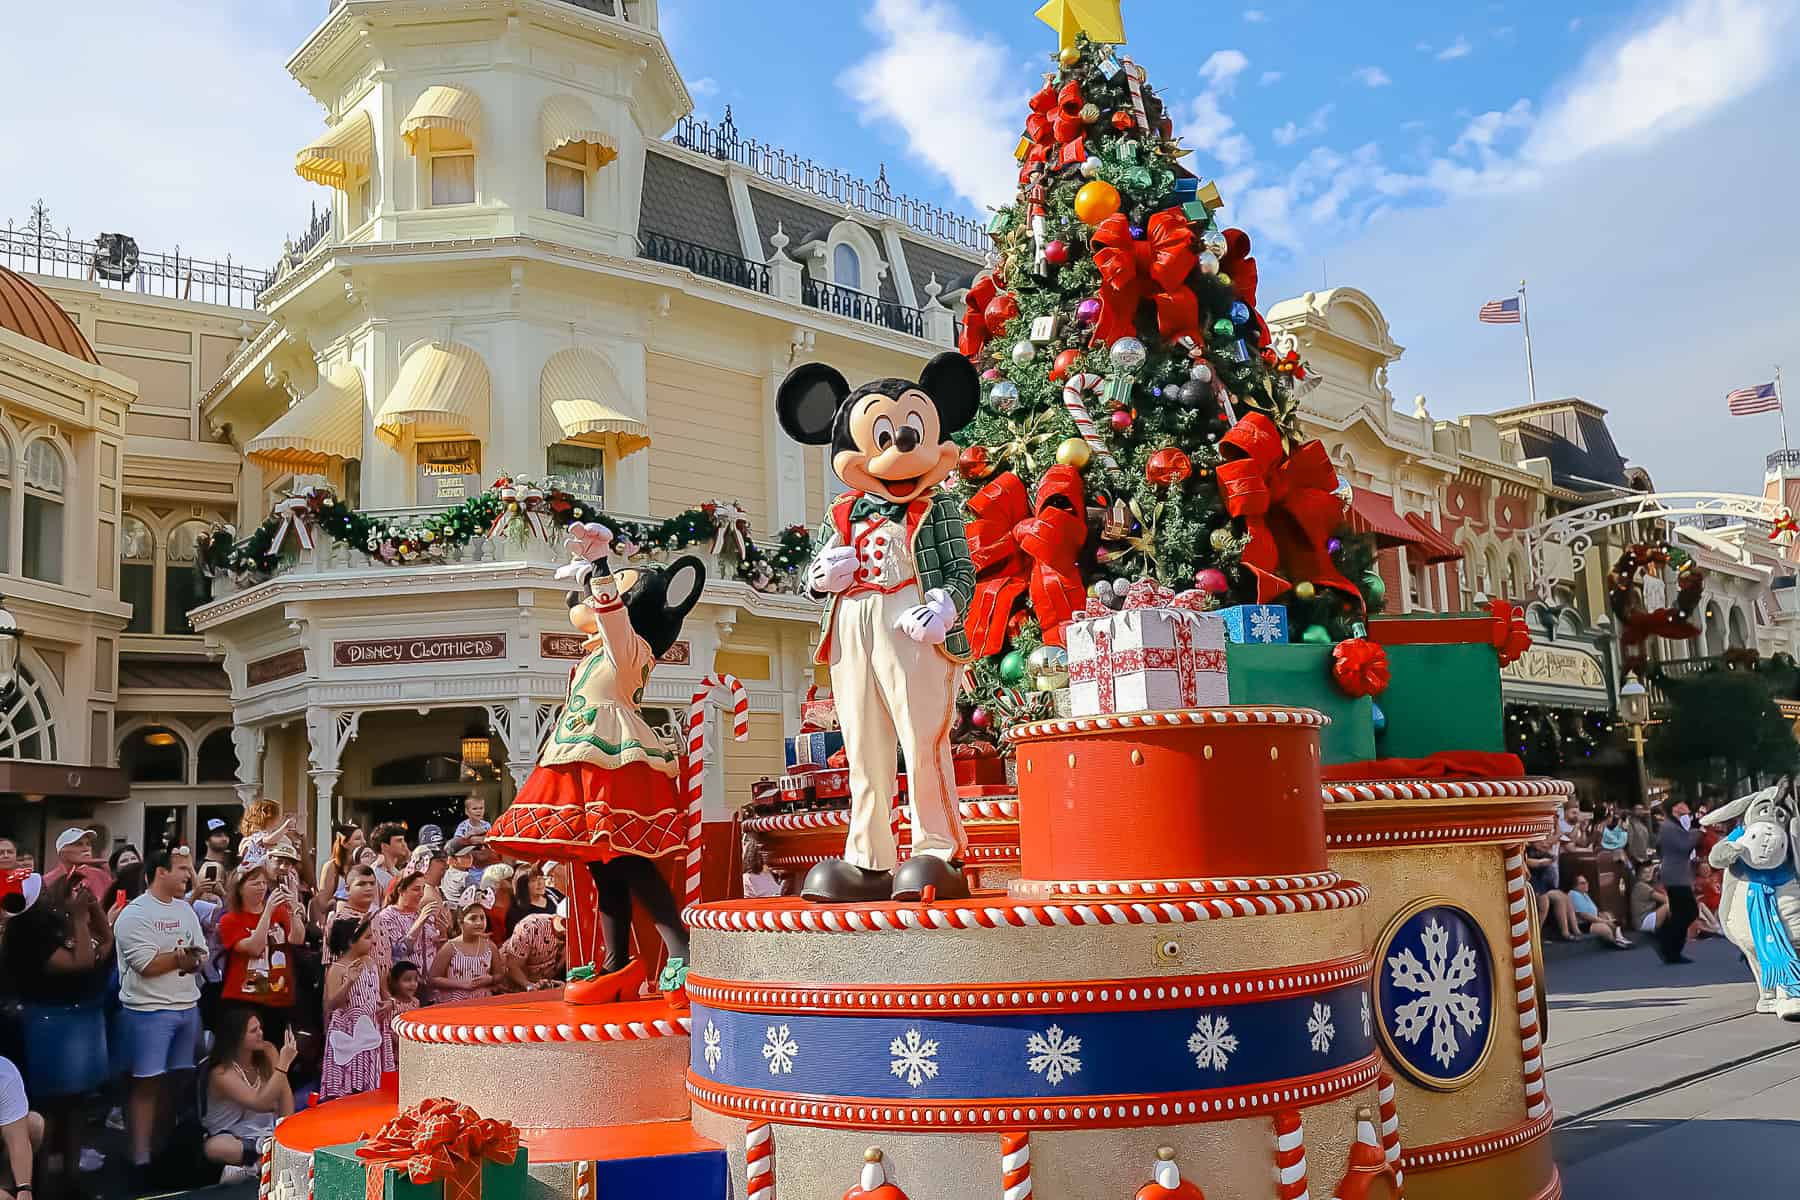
[(893, 692)]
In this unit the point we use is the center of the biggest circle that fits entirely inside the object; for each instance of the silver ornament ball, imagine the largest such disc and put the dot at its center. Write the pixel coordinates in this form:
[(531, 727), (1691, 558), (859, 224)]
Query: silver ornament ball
[(1048, 667), (1005, 395), (1200, 372), (1209, 263), (1127, 354), (1090, 168), (1214, 243), (1343, 491), (1023, 352)]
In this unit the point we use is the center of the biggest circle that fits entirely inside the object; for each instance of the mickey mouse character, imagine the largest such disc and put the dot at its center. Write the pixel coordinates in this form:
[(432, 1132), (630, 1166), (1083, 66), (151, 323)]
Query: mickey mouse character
[(894, 570), (604, 792)]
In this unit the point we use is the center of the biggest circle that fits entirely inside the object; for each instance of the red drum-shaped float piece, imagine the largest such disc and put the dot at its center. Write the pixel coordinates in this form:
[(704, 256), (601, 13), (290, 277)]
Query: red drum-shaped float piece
[(1195, 794)]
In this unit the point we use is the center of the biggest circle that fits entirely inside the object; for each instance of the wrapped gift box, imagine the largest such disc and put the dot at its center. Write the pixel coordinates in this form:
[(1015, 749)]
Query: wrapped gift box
[(1262, 624), (1299, 675), (818, 715), (338, 1174), (1145, 659), (978, 764), (698, 1175), (1444, 687), (813, 749)]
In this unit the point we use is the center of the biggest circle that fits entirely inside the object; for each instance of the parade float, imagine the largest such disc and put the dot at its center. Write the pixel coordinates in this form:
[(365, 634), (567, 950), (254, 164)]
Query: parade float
[(1202, 877)]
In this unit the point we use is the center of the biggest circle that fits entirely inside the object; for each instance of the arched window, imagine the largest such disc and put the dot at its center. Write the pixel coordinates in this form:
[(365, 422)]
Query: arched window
[(137, 574), (27, 723), (154, 754), (6, 482), (1515, 577), (45, 477), (846, 266), (218, 758), (1492, 577), (181, 587)]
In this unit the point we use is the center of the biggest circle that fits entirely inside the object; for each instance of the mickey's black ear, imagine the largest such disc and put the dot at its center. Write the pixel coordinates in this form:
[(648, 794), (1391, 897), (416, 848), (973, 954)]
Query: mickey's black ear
[(807, 402), (951, 382), (685, 580)]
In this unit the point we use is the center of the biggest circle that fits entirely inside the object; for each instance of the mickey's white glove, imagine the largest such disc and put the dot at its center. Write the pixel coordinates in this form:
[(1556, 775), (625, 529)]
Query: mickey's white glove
[(833, 569), (930, 622)]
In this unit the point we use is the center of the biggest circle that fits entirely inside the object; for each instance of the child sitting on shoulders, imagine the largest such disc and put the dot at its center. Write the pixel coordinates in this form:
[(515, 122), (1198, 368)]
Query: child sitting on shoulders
[(260, 832)]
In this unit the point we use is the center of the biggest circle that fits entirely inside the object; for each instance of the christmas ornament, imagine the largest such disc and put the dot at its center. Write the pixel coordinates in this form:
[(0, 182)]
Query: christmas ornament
[(1127, 354), (1023, 352), (1088, 311), (1223, 327), (1074, 453), (990, 375), (973, 463), (1089, 114), (1240, 312), (1200, 372), (1359, 667), (1064, 363), (1333, 546), (1221, 539), (1121, 421), (1343, 491), (1076, 406), (1090, 168), (1068, 57), (1193, 395), (1004, 396), (1304, 590), (1121, 121), (980, 718), (1096, 201), (1209, 263), (1316, 635), (1056, 252), (1048, 667), (1211, 579), (1045, 328), (1213, 242), (1012, 668), (1154, 268), (1099, 19), (1168, 466), (1002, 308), (1375, 589)]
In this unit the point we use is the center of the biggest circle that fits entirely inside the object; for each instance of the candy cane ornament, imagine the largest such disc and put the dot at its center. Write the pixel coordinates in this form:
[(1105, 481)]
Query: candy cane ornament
[(695, 766), (1084, 422), (1015, 1166), (759, 1161)]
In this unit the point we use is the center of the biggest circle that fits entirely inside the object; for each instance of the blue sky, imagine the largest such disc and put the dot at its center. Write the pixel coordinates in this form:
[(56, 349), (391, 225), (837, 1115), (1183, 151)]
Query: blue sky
[(1634, 159)]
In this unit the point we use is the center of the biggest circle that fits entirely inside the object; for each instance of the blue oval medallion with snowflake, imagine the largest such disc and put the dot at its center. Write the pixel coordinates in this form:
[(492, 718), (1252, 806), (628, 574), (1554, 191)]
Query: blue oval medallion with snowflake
[(1434, 994)]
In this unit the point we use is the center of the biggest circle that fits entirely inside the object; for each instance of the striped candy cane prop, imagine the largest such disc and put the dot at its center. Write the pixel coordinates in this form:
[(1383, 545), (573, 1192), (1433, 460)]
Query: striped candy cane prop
[(584, 1180), (759, 1161), (1290, 1157), (265, 1183), (696, 761), (1390, 1131), (1531, 1042), (1084, 422), (1015, 1166)]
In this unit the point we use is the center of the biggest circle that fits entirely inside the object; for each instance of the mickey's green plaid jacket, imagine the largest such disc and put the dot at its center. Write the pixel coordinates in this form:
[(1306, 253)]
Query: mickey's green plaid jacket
[(940, 556)]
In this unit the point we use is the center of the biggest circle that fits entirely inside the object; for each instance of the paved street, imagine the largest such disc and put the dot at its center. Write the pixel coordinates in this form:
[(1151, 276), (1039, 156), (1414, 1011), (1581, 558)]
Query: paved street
[(1665, 1081)]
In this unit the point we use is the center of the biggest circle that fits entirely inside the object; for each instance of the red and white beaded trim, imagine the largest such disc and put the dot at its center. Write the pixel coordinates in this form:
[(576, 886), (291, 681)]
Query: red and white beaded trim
[(726, 918), (1245, 885), (1466, 831), (1112, 995), (1446, 1154), (1093, 1113), (469, 1035), (1064, 726), (1531, 1042), (1445, 789)]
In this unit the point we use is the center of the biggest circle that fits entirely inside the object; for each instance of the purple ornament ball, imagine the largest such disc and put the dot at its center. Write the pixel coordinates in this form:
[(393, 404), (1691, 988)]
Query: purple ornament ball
[(1334, 545), (1088, 311), (1137, 231)]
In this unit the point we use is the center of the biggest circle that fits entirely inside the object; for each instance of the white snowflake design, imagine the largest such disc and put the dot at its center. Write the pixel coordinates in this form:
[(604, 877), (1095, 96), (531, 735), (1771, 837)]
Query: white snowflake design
[(1367, 1019), (915, 1058), (1053, 1054), (1212, 1043), (1265, 625), (1443, 1005), (1321, 1028), (712, 1053), (780, 1048)]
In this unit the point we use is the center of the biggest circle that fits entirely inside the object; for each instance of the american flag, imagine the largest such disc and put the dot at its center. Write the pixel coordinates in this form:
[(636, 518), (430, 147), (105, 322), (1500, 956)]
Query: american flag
[(1500, 312), (1747, 402)]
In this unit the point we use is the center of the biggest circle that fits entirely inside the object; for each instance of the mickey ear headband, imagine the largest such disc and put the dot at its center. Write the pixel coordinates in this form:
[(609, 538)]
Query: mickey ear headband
[(19, 890)]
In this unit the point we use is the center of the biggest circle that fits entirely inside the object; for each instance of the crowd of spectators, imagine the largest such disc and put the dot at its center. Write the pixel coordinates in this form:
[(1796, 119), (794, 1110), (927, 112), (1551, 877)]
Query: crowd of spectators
[(191, 997)]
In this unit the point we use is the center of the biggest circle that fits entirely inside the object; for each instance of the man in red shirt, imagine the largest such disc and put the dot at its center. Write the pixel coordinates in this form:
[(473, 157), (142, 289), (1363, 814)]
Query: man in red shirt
[(75, 852)]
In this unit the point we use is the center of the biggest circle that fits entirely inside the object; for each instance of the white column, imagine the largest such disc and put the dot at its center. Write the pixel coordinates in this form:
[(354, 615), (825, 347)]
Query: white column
[(247, 741), (522, 723), (328, 731)]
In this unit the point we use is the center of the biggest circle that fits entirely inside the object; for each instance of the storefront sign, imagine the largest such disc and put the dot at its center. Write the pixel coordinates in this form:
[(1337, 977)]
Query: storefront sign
[(388, 651), (1556, 666), (568, 645), (276, 666)]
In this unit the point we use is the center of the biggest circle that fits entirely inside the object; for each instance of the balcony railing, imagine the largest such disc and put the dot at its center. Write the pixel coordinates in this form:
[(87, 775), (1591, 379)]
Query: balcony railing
[(295, 251), (114, 260), (860, 306), (1782, 458), (704, 260), (722, 141)]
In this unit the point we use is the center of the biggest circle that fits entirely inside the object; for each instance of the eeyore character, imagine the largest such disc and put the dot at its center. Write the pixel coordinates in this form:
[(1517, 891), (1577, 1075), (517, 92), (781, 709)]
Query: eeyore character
[(1759, 899)]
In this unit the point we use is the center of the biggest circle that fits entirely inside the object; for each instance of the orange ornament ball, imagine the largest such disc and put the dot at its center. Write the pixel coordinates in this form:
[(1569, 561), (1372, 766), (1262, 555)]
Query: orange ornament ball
[(1096, 201)]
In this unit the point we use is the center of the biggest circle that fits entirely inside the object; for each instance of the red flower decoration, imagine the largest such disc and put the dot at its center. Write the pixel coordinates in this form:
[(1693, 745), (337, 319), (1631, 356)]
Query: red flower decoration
[(1360, 667), (1512, 637)]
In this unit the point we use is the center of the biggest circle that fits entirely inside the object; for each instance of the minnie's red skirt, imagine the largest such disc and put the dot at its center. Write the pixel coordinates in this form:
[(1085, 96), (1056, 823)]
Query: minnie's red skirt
[(583, 812)]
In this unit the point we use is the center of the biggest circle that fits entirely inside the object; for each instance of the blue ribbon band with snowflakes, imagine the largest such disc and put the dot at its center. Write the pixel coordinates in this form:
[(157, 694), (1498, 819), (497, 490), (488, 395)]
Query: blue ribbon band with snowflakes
[(1190, 1048)]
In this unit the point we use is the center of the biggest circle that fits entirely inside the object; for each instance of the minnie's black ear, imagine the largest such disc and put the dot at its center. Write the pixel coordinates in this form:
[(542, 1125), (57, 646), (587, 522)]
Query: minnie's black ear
[(686, 580), (951, 382), (807, 402)]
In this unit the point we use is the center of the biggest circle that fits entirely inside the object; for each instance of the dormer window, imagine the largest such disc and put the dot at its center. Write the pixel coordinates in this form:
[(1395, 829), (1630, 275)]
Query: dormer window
[(846, 266)]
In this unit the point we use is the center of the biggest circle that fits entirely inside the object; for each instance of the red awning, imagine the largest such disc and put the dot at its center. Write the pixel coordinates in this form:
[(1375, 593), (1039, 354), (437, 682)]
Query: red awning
[(1371, 512), (1436, 546)]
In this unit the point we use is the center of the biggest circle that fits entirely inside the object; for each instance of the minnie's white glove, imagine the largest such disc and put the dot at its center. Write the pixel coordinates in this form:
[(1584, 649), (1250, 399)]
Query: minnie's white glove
[(929, 622), (589, 540), (833, 569)]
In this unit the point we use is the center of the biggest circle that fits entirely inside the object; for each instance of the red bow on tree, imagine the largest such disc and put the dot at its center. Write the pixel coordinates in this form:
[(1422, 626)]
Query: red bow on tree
[(1360, 667), (1238, 264), (986, 310), (438, 1138), (1155, 268), (1512, 637), (1019, 553), (1055, 123), (1287, 505)]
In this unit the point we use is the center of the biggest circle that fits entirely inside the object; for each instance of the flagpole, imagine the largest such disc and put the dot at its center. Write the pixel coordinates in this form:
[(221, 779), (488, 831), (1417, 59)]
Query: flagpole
[(1782, 411), (1525, 319)]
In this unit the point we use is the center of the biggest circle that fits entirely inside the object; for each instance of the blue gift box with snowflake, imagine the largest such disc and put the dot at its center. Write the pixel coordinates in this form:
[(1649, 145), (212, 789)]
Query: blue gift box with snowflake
[(1262, 624), (1435, 994)]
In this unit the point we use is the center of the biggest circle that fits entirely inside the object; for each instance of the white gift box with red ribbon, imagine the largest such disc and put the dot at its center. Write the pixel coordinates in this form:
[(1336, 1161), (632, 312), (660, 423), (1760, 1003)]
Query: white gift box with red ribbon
[(1158, 652)]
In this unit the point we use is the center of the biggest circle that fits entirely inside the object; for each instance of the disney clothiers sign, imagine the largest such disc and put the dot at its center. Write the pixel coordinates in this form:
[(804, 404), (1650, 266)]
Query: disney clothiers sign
[(382, 652)]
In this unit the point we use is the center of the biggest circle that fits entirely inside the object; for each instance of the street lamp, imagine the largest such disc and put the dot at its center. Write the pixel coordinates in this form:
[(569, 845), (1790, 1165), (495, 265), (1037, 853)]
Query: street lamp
[(10, 638), (1634, 709)]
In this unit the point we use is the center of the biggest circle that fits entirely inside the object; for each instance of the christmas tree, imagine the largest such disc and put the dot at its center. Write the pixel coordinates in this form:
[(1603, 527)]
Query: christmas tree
[(1138, 420)]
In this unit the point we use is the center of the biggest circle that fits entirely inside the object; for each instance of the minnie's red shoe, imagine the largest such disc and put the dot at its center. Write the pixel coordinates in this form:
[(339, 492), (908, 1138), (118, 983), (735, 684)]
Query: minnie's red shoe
[(622, 984)]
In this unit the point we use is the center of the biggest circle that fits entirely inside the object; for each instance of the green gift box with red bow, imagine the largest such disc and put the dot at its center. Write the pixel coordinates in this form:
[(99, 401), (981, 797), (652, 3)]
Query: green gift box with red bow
[(436, 1150)]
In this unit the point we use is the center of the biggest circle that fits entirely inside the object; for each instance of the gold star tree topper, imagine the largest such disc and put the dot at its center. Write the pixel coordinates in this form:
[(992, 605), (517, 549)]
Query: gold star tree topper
[(1099, 19)]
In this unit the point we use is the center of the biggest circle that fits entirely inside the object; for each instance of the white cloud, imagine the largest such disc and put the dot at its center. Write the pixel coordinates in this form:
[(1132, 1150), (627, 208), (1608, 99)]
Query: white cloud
[(1371, 77), (1457, 49), (1268, 77), (1206, 126), (1313, 126), (704, 86), (953, 94), (180, 131), (1222, 67), (1255, 16)]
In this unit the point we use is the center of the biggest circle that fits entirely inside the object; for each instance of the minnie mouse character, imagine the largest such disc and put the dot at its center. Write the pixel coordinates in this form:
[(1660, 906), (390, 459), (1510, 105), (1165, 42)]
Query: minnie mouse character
[(604, 792), (895, 573)]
